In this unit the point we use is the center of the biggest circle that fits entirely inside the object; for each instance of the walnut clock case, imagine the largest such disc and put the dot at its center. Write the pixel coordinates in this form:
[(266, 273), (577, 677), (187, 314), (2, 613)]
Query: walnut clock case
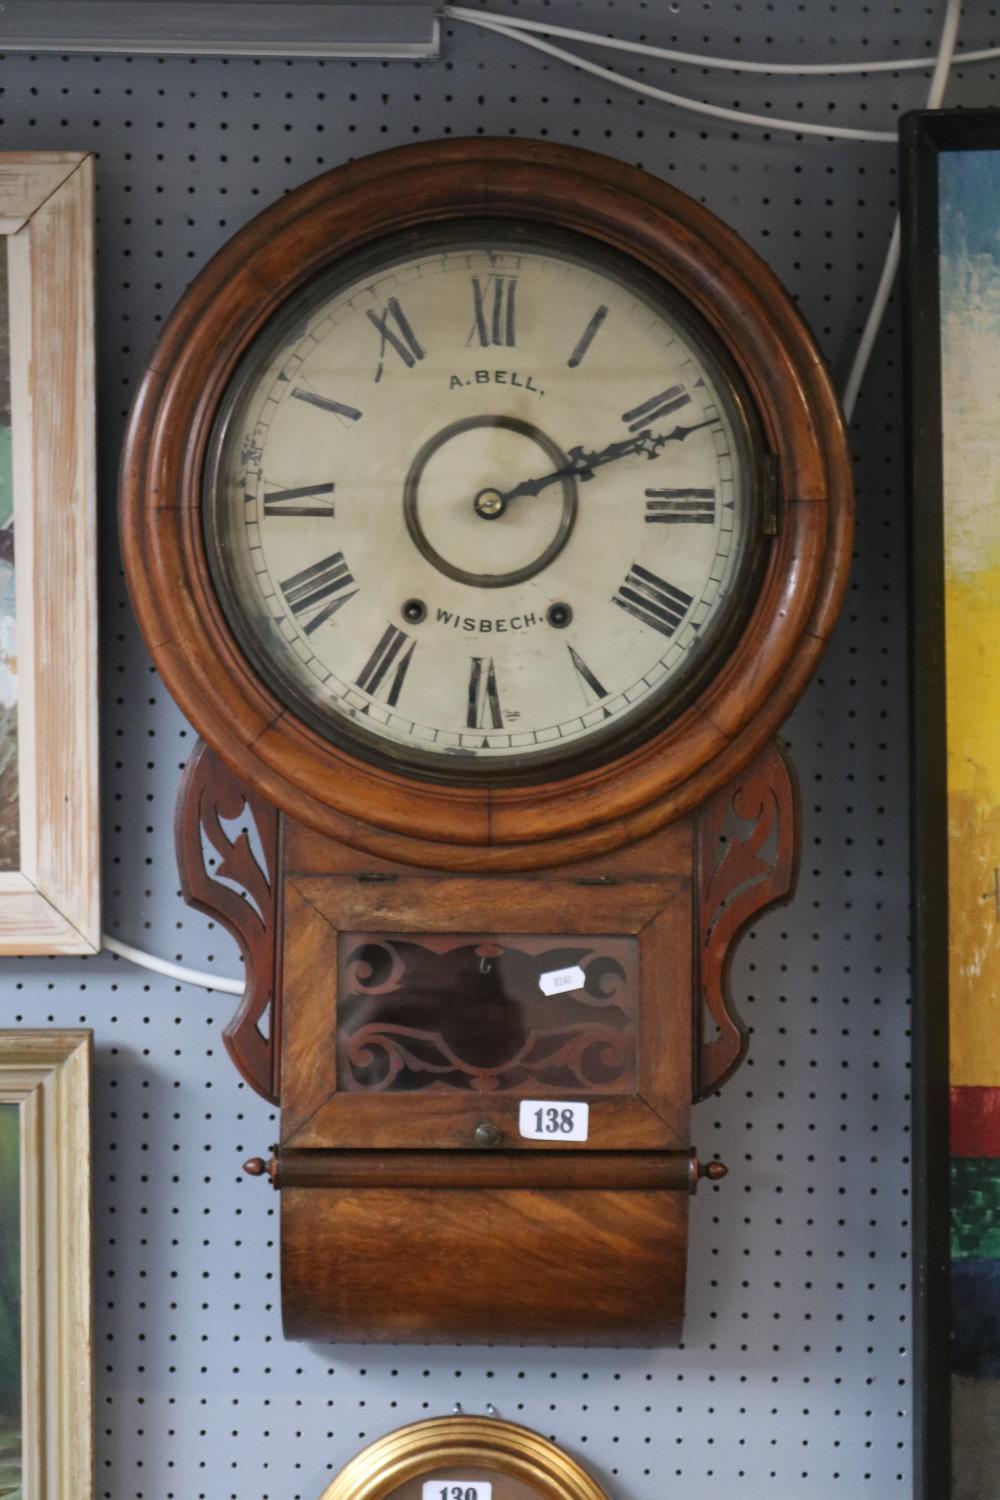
[(486, 507)]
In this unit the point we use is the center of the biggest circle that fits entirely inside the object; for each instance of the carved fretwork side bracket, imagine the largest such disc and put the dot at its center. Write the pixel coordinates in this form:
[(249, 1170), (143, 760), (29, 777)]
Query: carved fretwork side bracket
[(746, 849), (240, 890)]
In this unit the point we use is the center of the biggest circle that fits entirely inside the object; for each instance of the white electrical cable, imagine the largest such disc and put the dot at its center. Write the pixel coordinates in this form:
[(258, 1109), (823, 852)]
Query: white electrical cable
[(700, 60), (172, 971), (946, 53), (872, 324), (679, 101)]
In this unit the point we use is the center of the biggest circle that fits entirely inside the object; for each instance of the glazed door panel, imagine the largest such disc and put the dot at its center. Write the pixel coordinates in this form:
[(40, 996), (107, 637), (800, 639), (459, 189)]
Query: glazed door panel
[(404, 1026)]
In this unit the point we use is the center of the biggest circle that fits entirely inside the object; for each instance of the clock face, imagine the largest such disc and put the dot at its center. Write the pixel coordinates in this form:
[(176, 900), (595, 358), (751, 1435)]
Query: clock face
[(485, 504)]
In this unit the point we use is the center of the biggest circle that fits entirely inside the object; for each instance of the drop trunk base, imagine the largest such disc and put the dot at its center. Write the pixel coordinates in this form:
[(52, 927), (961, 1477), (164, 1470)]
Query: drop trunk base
[(515, 1266)]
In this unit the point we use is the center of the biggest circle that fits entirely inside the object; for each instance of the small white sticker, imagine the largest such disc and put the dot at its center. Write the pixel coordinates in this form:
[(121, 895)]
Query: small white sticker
[(552, 1120), (457, 1489), (557, 980)]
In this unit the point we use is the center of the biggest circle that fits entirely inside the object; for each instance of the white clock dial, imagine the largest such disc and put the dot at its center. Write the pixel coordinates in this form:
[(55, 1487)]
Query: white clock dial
[(483, 502)]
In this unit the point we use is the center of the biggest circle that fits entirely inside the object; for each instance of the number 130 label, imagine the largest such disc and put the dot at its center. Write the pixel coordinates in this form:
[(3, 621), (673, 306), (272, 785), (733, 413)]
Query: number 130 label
[(457, 1489), (552, 1120)]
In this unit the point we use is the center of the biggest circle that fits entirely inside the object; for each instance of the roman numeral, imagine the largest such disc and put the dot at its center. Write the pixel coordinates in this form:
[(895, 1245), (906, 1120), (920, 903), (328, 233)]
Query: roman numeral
[(652, 600), (386, 656), (675, 506), (282, 502), (674, 397), (484, 700), (593, 682), (395, 333), (493, 305), (587, 337), (324, 581), (326, 403)]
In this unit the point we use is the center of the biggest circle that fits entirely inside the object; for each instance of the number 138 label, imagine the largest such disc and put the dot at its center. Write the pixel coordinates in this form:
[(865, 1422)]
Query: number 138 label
[(457, 1489), (552, 1120)]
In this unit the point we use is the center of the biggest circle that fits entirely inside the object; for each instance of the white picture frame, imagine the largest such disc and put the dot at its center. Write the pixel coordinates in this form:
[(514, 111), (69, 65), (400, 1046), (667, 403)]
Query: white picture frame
[(51, 903)]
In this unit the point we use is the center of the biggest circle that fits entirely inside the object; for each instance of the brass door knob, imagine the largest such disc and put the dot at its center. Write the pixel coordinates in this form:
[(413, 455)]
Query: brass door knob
[(488, 1134)]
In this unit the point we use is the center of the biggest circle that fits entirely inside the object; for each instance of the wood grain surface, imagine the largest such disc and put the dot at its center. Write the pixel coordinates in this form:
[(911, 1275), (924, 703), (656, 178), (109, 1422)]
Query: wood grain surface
[(484, 1266)]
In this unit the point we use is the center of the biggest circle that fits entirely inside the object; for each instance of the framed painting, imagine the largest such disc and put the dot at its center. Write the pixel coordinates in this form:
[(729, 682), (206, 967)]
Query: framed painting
[(951, 170), (49, 863), (45, 1266)]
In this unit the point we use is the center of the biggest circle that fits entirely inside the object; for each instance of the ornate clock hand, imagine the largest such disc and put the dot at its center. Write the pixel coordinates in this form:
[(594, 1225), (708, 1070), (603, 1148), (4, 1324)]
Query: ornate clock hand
[(491, 503)]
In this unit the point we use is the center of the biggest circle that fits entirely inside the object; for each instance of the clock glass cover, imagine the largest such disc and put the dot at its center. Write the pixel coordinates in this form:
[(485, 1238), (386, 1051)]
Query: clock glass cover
[(484, 502)]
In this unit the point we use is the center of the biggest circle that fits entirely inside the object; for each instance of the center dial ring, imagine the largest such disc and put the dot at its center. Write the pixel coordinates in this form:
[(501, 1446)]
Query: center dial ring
[(446, 525)]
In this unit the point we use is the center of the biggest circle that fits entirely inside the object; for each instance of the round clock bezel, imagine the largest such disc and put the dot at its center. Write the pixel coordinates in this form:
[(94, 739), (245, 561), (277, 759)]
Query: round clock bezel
[(574, 755), (509, 1450), (485, 827)]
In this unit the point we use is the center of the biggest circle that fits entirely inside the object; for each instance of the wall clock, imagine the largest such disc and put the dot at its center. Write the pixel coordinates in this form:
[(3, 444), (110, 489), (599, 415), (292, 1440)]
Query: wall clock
[(486, 507), (463, 1458)]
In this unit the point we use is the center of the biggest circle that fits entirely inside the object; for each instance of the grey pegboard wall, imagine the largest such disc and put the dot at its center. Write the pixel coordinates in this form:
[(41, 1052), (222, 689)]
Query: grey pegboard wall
[(795, 1376)]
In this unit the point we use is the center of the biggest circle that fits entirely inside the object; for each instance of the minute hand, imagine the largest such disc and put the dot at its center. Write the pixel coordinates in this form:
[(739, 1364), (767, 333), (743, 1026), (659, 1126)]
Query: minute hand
[(583, 463)]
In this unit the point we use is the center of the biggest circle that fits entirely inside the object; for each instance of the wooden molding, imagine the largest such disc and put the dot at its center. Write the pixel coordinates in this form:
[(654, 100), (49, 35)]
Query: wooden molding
[(28, 179), (47, 1075), (746, 855), (319, 1107), (463, 827), (210, 794), (46, 211)]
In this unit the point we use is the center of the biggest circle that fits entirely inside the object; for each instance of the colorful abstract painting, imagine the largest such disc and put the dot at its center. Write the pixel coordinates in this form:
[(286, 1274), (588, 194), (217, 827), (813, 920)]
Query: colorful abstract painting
[(10, 1303), (9, 802), (969, 249)]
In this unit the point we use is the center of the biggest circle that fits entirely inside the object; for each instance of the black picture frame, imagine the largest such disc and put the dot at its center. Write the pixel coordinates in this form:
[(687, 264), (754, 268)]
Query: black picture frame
[(925, 135)]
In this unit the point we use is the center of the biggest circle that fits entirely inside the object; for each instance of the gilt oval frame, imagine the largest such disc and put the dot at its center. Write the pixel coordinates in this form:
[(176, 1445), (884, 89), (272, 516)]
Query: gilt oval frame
[(414, 1452)]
